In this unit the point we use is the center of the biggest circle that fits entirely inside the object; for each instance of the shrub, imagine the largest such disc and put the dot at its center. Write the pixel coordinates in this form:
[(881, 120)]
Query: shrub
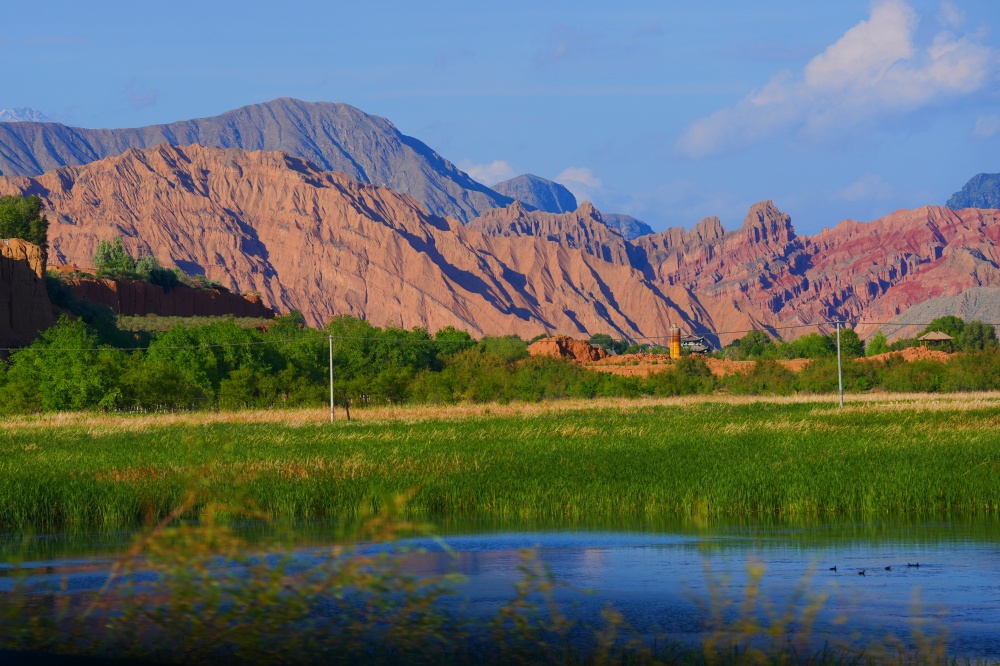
[(148, 268), (689, 375), (510, 348), (766, 377), (113, 260), (877, 345), (920, 375)]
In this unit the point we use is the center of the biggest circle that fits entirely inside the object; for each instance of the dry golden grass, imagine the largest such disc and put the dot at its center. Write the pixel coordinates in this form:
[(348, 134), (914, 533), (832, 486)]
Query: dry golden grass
[(98, 424)]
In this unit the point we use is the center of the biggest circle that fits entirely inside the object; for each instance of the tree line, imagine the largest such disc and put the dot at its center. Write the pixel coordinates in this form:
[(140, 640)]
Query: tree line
[(223, 365)]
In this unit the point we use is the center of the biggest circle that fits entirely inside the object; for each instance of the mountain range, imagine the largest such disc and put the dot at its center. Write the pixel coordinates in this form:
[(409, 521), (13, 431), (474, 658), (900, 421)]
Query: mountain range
[(335, 137)]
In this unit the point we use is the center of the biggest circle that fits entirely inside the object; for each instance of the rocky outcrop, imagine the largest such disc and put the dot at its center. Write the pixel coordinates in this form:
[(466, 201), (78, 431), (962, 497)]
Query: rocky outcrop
[(582, 229), (135, 298), (563, 346), (337, 137), (24, 301), (538, 193)]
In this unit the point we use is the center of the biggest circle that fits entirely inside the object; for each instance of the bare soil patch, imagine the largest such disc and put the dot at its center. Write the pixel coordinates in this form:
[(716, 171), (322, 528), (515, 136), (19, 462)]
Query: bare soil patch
[(912, 354), (641, 365)]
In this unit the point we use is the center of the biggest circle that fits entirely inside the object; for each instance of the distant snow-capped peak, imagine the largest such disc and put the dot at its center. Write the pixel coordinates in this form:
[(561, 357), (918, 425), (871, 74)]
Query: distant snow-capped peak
[(23, 115)]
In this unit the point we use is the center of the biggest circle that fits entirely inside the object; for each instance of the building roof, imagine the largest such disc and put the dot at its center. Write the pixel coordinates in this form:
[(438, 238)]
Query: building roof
[(935, 336)]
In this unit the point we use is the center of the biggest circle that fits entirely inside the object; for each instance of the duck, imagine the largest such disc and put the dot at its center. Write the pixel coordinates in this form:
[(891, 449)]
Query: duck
[(917, 565), (833, 568), (861, 573), (889, 568)]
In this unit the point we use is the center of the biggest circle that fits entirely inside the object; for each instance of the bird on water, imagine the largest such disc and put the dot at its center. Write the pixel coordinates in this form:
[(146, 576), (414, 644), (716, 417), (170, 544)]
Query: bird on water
[(861, 573), (833, 568), (917, 565), (889, 568)]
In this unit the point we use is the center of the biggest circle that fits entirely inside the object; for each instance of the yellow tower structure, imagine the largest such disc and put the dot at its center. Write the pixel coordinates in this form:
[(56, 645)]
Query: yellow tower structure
[(675, 341)]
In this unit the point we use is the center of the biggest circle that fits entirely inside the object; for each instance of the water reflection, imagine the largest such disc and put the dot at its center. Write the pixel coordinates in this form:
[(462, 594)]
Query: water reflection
[(659, 577)]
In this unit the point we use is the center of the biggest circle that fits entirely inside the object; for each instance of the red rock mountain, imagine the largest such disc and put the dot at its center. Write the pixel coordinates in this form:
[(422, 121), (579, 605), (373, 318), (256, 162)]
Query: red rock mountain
[(321, 243)]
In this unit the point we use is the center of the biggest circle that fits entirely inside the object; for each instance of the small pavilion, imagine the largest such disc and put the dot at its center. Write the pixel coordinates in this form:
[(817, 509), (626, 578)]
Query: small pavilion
[(934, 337)]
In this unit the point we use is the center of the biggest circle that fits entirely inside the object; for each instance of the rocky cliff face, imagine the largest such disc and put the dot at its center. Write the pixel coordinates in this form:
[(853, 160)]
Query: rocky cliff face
[(135, 298), (335, 137), (24, 302), (324, 244)]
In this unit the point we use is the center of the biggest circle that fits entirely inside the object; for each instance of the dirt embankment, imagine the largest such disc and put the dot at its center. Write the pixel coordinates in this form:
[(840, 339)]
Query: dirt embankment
[(134, 298), (912, 354), (563, 346)]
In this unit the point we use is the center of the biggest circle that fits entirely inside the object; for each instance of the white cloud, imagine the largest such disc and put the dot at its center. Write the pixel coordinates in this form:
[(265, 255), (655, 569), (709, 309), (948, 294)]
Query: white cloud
[(869, 187), (582, 182), (950, 15), (488, 174), (873, 71), (986, 127)]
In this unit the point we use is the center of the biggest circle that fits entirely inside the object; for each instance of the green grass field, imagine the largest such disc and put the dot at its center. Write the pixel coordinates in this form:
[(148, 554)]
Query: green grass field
[(559, 461)]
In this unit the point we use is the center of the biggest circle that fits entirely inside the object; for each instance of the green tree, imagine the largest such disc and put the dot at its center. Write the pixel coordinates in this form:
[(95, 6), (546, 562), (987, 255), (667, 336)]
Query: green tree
[(451, 341), (608, 344), (949, 324), (851, 345), (21, 217), (877, 344), (755, 344), (976, 336), (149, 269), (113, 260), (812, 345), (65, 368)]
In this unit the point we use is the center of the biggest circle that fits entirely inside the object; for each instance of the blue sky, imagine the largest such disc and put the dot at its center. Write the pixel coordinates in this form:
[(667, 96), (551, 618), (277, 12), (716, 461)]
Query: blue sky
[(663, 110)]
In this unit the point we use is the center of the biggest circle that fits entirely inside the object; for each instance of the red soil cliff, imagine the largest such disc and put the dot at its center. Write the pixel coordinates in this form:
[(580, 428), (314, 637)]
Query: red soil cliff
[(24, 301), (132, 297)]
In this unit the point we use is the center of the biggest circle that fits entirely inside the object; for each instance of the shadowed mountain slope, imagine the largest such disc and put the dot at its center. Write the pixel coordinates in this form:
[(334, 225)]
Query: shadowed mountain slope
[(336, 137), (627, 226), (538, 193), (982, 191)]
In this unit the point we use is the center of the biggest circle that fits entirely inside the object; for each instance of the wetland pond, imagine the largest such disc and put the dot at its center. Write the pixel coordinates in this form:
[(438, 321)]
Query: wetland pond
[(661, 577)]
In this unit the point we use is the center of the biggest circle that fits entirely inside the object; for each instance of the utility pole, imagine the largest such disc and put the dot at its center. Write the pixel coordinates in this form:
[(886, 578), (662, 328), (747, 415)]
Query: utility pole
[(840, 370), (331, 378)]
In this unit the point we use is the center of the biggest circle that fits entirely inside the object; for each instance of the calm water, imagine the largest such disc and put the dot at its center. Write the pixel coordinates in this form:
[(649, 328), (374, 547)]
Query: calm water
[(660, 579)]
